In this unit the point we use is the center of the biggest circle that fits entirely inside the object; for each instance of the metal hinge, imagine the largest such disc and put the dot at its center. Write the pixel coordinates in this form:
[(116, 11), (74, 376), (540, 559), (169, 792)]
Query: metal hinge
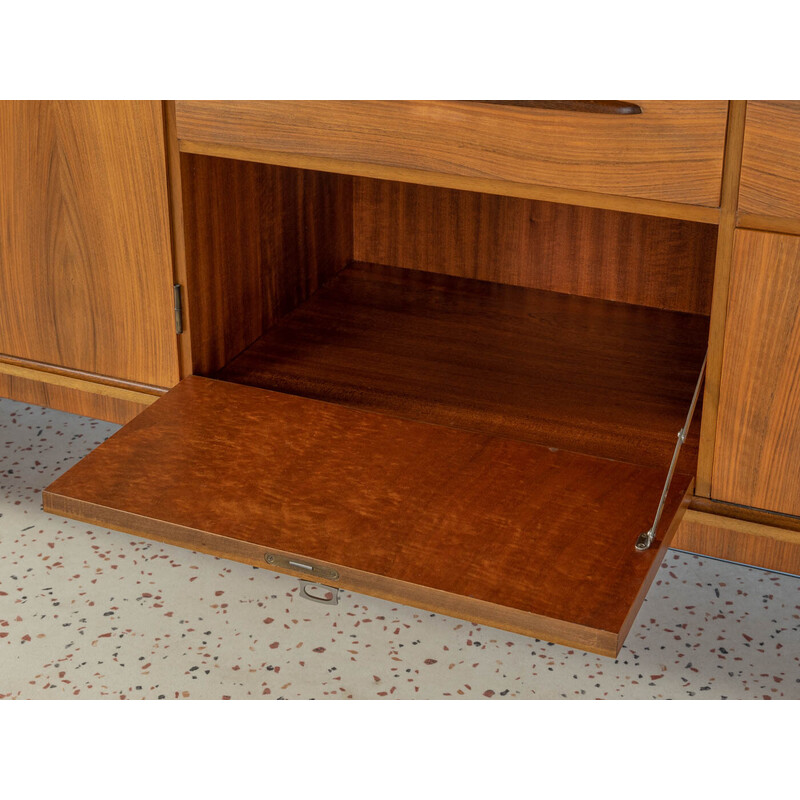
[(177, 293)]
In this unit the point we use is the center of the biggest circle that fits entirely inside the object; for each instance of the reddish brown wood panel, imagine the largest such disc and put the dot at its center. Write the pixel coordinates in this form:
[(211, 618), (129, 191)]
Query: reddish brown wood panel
[(259, 239), (757, 455), (671, 151), (512, 528), (85, 262), (632, 258), (602, 378), (770, 183)]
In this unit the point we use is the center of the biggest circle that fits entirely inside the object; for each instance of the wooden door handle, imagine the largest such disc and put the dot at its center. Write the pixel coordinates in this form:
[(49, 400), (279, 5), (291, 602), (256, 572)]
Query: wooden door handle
[(584, 106)]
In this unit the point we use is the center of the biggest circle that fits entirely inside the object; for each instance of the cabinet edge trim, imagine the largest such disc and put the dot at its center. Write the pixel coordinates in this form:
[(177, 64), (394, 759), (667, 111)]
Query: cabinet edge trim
[(108, 387)]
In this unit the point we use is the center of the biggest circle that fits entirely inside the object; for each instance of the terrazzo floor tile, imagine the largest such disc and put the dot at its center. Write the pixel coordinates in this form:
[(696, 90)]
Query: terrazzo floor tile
[(91, 613)]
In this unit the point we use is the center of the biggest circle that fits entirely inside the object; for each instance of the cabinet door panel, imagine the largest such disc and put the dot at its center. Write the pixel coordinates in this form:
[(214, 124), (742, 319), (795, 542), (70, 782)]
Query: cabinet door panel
[(757, 457), (85, 264)]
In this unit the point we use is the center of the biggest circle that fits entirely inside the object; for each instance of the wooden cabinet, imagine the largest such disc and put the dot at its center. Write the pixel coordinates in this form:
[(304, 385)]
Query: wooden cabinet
[(457, 399), (757, 458), (441, 351), (85, 253)]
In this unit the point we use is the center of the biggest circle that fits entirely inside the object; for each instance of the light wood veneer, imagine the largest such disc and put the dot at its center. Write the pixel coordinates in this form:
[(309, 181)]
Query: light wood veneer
[(757, 457), (672, 151), (85, 267)]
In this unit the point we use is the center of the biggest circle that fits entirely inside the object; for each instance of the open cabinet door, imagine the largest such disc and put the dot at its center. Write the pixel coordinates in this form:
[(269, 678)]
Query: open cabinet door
[(507, 533)]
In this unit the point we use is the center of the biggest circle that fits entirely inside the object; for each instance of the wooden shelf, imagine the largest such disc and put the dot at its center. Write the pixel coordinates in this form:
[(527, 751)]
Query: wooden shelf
[(591, 376)]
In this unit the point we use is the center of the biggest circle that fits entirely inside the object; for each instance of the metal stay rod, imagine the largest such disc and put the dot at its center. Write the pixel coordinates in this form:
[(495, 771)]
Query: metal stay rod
[(646, 539)]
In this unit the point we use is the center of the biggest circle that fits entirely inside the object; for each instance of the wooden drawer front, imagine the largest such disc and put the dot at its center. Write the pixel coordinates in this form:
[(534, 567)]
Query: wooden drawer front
[(757, 457), (770, 183), (671, 151)]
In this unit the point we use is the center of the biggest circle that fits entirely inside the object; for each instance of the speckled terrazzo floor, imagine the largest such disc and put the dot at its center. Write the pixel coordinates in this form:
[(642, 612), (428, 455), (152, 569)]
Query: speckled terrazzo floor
[(91, 613)]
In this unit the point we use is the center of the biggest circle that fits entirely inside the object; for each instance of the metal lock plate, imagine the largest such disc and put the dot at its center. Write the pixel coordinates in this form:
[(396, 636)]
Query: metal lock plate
[(296, 565)]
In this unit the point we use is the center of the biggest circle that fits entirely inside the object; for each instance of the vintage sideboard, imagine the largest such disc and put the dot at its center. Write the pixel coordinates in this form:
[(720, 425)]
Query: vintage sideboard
[(442, 352)]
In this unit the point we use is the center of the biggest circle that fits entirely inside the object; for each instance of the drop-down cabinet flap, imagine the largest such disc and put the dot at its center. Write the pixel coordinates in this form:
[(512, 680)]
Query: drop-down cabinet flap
[(510, 533)]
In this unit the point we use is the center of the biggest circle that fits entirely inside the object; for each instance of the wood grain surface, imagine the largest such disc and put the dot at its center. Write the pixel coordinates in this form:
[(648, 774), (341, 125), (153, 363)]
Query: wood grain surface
[(739, 540), (745, 514), (259, 239), (757, 457), (670, 152), (762, 222), (86, 398), (55, 374), (606, 379), (632, 258), (529, 191), (85, 264), (719, 305), (495, 526), (175, 198), (771, 160)]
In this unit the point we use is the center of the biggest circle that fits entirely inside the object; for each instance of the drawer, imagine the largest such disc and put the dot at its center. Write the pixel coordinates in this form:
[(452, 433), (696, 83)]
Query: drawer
[(671, 151), (770, 182)]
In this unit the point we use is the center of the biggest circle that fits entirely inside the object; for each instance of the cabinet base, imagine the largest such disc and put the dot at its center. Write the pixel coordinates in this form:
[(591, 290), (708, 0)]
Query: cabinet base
[(739, 540)]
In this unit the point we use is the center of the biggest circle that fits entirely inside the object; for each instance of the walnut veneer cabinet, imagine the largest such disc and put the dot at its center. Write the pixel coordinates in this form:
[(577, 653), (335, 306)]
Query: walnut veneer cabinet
[(85, 256), (444, 352)]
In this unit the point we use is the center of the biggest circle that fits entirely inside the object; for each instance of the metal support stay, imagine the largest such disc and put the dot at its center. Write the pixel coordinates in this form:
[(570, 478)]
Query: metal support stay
[(645, 539)]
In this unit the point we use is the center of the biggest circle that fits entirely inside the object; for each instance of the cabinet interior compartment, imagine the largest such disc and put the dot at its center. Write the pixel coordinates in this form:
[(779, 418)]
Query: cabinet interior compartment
[(460, 401), (576, 328)]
